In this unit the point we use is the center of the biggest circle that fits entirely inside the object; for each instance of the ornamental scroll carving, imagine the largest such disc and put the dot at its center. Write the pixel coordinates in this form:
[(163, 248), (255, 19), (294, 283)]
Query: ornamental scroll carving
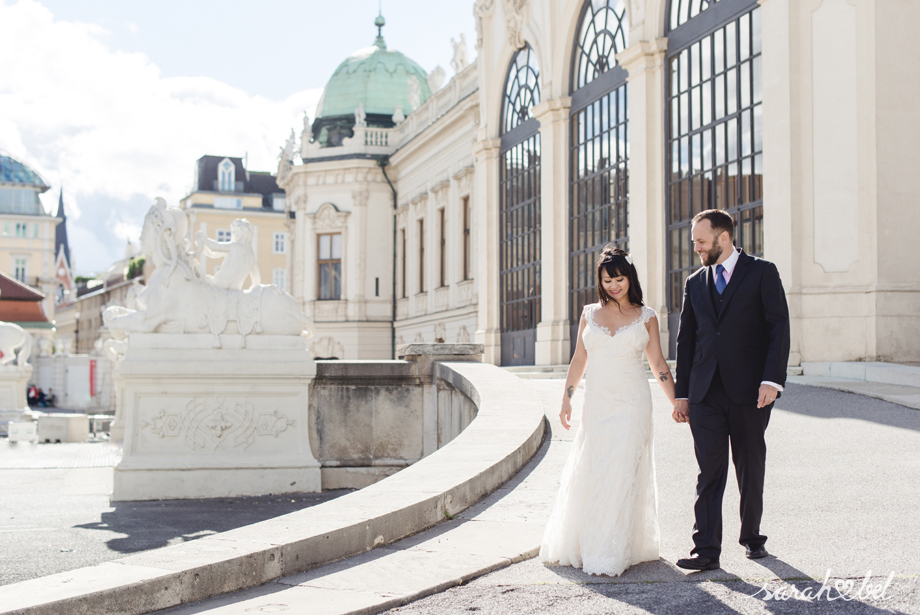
[(514, 22), (218, 424), (328, 217)]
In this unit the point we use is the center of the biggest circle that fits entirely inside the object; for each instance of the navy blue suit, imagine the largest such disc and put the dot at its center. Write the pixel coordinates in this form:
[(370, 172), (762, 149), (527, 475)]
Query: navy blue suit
[(726, 346)]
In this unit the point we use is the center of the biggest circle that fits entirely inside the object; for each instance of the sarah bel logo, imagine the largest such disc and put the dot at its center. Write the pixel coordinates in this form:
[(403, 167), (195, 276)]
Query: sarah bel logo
[(830, 590)]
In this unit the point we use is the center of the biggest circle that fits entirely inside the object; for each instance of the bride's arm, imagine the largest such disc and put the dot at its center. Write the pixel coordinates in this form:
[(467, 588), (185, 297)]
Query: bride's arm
[(656, 360), (576, 371)]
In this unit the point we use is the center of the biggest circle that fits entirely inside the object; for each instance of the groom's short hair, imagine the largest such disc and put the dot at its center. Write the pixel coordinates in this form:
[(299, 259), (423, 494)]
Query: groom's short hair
[(719, 220)]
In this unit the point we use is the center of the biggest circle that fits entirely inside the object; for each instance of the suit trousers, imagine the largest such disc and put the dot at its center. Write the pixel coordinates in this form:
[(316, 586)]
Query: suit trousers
[(717, 423)]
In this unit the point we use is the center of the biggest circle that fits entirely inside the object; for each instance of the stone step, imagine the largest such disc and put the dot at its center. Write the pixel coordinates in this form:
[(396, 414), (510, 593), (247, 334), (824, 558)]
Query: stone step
[(884, 373)]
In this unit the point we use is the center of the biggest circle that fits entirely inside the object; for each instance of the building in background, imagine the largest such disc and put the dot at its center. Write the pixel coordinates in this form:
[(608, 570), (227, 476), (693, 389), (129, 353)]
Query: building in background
[(476, 211), (224, 190), (22, 305), (27, 232)]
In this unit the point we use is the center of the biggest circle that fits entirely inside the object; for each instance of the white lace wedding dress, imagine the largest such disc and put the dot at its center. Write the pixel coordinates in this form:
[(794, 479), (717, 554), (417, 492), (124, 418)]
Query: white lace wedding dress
[(606, 514)]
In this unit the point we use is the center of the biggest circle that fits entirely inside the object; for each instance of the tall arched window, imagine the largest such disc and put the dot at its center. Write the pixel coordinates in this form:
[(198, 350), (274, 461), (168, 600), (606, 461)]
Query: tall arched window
[(519, 211), (599, 189), (226, 175), (713, 129)]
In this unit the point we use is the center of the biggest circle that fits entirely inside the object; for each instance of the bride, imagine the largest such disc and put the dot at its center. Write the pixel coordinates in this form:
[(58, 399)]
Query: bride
[(606, 514)]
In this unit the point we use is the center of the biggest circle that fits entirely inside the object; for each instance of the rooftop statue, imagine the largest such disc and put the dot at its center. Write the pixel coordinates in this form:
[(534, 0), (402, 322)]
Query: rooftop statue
[(180, 298), (459, 61)]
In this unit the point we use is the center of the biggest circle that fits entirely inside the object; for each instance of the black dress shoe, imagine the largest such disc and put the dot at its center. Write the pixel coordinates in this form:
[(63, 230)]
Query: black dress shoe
[(698, 563), (755, 552)]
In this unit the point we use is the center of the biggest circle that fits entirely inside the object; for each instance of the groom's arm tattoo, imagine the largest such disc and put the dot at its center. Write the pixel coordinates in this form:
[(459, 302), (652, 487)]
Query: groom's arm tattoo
[(570, 391), (663, 376)]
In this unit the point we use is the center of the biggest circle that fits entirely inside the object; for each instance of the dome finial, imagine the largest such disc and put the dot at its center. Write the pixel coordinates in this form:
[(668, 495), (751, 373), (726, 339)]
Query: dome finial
[(380, 22)]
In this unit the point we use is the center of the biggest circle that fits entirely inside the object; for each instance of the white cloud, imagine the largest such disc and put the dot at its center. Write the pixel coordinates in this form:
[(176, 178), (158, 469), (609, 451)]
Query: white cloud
[(110, 126), (132, 27)]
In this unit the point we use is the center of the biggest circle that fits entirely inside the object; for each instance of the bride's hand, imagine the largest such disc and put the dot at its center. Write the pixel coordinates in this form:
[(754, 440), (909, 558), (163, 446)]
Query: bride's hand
[(565, 415)]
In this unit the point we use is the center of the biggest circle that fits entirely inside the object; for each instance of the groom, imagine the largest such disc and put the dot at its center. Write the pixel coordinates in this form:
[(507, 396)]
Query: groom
[(732, 351)]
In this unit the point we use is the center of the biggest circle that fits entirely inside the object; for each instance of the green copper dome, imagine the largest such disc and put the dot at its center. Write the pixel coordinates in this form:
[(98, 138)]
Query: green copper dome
[(376, 76)]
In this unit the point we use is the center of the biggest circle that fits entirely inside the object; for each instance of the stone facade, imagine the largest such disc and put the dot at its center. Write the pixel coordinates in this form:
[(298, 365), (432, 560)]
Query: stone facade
[(833, 133)]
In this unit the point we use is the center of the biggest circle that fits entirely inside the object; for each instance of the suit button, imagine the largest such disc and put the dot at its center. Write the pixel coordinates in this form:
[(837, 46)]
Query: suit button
[(718, 333)]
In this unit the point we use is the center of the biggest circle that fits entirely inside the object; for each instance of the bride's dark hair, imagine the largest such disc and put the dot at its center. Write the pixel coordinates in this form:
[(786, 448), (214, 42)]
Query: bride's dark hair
[(614, 262)]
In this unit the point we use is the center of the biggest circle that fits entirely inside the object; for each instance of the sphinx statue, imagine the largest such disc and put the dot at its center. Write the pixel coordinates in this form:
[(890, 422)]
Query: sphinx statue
[(180, 298)]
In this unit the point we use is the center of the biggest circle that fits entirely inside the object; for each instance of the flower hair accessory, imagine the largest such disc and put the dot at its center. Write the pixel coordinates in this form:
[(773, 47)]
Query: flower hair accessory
[(628, 258)]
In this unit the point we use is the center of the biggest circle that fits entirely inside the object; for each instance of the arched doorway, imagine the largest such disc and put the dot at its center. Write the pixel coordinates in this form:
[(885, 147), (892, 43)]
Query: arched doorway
[(713, 135), (599, 171), (519, 211)]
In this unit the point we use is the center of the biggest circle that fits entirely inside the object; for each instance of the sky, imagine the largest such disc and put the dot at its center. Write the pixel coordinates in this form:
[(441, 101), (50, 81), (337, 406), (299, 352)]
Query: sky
[(116, 99)]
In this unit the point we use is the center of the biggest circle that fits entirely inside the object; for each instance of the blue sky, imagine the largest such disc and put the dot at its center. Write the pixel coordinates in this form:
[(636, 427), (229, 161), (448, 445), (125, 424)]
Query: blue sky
[(117, 99)]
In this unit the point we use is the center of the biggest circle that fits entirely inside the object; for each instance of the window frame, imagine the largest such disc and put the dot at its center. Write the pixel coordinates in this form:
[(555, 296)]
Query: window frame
[(335, 272)]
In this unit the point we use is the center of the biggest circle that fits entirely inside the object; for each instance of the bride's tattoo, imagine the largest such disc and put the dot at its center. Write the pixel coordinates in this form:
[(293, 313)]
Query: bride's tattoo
[(663, 376), (570, 391)]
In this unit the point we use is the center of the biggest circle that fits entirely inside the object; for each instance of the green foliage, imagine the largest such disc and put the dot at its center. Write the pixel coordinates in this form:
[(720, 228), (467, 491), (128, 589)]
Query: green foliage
[(135, 267), (81, 280)]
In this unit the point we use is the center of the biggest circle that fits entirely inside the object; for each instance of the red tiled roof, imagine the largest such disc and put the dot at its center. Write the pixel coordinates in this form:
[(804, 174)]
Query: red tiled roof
[(21, 311), (12, 289)]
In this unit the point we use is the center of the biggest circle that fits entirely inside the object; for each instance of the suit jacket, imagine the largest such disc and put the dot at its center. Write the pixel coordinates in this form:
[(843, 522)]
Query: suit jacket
[(748, 339)]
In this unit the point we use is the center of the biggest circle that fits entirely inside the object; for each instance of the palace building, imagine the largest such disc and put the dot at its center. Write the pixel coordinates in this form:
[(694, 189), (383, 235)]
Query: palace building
[(473, 210)]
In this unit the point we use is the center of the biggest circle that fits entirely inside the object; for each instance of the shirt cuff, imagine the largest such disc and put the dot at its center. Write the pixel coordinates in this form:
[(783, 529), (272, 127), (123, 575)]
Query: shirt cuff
[(774, 385)]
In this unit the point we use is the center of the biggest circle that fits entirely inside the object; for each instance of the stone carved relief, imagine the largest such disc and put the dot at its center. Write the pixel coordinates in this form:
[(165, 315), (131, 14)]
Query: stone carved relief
[(418, 338), (464, 179), (328, 348), (286, 159), (217, 424), (238, 257), (328, 217), (463, 336), (440, 193), (178, 298), (514, 22)]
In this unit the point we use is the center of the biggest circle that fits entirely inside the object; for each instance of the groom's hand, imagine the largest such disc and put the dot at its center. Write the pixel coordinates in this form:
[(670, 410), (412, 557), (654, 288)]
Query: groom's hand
[(766, 396), (681, 412)]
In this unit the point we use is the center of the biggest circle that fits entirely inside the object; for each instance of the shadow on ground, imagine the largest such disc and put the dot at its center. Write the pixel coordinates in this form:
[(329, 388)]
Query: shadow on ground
[(149, 525)]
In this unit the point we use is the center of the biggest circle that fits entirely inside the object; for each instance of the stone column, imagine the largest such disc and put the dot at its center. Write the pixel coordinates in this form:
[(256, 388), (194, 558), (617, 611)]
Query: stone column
[(644, 60), (552, 344), (485, 202), (357, 306)]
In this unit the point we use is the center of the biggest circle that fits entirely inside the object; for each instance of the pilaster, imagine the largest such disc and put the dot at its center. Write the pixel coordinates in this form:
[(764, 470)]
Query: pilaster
[(485, 204)]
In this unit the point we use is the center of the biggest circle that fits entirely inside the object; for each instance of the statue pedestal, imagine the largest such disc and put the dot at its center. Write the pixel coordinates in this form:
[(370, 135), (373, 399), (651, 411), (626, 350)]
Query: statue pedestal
[(205, 422), (14, 379)]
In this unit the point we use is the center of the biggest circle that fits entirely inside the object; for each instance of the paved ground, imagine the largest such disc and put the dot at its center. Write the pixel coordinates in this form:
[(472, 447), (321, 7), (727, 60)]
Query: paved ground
[(55, 513), (842, 495)]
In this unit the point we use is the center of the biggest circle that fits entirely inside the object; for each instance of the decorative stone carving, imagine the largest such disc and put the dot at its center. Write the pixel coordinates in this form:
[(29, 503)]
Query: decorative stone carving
[(440, 192), (514, 22), (328, 218), (463, 336), (436, 79), (398, 115), (360, 115), (482, 9), (239, 259), (14, 338), (328, 347), (306, 135), (418, 338), (459, 61), (218, 424), (285, 160), (415, 93), (440, 333), (179, 299), (64, 345), (464, 179)]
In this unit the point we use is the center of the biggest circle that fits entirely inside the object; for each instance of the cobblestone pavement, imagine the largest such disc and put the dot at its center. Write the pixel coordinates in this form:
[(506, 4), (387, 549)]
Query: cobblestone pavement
[(55, 513)]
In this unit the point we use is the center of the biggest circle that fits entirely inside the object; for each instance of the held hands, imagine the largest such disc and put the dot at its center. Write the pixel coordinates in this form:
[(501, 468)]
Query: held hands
[(681, 412), (766, 396)]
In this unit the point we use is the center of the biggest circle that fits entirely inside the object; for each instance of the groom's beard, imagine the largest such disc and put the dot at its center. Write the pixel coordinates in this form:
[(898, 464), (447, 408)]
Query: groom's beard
[(711, 256)]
